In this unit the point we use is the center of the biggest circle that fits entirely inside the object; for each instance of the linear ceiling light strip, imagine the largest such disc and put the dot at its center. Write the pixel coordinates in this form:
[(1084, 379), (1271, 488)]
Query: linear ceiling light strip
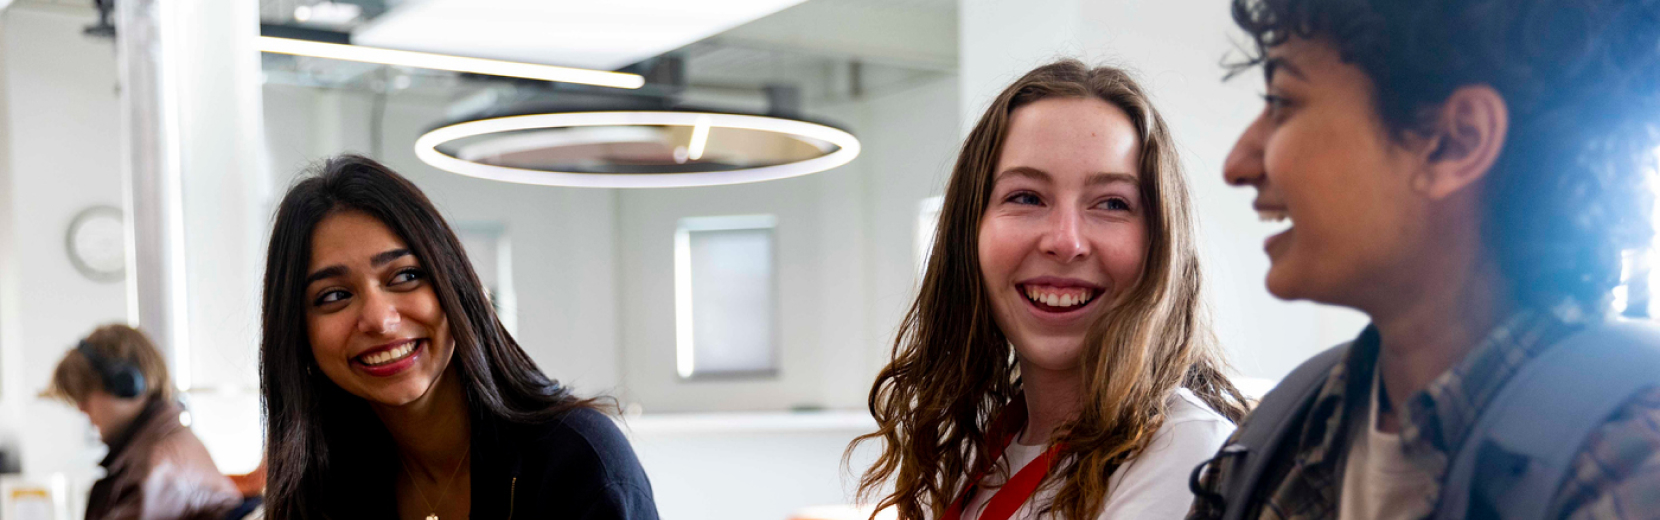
[(426, 148), (428, 60)]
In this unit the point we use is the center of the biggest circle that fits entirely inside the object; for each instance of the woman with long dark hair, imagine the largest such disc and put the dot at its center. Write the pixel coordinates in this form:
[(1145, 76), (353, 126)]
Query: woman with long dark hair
[(392, 390), (1057, 359)]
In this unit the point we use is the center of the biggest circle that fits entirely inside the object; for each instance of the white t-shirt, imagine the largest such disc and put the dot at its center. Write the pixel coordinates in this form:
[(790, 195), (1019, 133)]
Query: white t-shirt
[(1152, 486), (1379, 481)]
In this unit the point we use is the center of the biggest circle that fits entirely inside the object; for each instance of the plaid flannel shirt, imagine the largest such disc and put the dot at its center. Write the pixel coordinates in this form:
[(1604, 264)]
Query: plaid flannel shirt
[(1616, 475)]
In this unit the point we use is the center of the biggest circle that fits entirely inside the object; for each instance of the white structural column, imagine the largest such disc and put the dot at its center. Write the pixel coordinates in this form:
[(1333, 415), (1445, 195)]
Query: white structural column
[(1176, 49), (151, 180), (199, 194), (226, 188), (224, 203)]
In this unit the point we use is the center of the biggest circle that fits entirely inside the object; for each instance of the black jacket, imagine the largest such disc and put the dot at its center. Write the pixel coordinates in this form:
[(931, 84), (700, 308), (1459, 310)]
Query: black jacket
[(578, 466)]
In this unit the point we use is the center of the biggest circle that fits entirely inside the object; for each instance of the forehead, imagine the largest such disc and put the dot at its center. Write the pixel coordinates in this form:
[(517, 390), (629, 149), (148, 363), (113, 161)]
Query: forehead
[(1311, 60), (350, 237), (1071, 136)]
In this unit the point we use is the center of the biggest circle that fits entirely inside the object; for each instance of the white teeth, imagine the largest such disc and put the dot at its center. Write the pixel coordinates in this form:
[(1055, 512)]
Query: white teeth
[(1067, 299), (388, 356), (1279, 221), (1273, 215)]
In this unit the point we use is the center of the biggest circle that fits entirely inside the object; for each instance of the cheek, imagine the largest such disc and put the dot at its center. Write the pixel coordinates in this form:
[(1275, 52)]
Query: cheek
[(1123, 252), (329, 334), (423, 307), (1001, 249)]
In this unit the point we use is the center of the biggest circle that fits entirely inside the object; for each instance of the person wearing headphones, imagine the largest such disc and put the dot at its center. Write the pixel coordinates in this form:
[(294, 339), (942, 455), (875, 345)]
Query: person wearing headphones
[(156, 468)]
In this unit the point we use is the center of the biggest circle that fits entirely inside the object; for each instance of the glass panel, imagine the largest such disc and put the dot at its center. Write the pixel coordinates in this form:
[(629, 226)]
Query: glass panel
[(488, 249)]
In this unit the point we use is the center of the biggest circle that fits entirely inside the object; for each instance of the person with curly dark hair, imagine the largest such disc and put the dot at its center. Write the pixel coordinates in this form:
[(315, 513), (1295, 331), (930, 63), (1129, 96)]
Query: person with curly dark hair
[(1468, 173)]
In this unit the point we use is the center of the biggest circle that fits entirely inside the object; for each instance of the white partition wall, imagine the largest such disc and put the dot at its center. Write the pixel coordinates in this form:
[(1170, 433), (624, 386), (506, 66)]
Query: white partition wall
[(62, 155)]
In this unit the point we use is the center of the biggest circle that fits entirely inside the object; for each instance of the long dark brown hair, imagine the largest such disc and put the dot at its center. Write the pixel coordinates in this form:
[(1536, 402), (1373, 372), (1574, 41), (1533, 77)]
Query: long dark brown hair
[(952, 369), (324, 445)]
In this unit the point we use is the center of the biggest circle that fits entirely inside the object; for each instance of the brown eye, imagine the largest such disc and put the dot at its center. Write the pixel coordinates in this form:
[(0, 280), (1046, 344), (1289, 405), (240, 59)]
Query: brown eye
[(1276, 105), (407, 276), (330, 296)]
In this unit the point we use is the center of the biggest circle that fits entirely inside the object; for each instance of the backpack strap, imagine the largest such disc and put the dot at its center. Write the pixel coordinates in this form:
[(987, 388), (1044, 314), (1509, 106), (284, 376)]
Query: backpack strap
[(1267, 427), (1519, 452)]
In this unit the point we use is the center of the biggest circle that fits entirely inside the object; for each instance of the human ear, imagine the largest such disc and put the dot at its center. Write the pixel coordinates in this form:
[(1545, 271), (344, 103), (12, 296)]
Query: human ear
[(1466, 139)]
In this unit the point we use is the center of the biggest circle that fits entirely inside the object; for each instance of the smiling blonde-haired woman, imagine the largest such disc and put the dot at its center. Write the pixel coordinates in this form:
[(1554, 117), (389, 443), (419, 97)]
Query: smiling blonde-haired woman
[(1057, 362)]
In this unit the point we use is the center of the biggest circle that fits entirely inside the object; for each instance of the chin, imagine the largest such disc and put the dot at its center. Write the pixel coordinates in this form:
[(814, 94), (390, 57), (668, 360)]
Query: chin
[(1051, 354), (402, 395), (398, 393), (1285, 280)]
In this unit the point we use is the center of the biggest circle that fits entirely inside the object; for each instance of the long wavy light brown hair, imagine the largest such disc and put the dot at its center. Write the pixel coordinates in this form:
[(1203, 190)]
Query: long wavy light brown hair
[(952, 369)]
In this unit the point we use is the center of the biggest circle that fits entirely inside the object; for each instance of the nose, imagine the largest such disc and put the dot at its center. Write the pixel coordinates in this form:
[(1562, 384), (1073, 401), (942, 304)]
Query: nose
[(1064, 240), (1245, 166), (379, 314)]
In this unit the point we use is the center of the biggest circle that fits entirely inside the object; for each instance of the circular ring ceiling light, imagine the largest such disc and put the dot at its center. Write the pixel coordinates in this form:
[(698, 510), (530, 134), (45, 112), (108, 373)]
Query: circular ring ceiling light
[(636, 148)]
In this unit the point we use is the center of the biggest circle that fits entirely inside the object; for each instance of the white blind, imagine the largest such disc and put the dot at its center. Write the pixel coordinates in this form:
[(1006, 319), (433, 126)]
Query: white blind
[(726, 297)]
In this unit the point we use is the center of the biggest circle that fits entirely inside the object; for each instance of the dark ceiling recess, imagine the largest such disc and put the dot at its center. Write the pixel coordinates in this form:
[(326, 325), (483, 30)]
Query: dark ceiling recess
[(301, 32)]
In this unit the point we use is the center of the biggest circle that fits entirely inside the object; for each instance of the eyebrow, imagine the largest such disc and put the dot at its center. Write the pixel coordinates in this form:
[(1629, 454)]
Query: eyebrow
[(1023, 171), (1111, 178), (378, 260), (1275, 64), (1095, 179)]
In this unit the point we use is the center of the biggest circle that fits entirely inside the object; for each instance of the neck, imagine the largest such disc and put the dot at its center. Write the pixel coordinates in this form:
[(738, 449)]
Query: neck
[(1436, 320), (126, 413), (1052, 397), (433, 432)]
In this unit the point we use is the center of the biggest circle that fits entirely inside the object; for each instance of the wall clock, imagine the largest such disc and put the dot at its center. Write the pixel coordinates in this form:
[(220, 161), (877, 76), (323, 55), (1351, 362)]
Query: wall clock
[(97, 243)]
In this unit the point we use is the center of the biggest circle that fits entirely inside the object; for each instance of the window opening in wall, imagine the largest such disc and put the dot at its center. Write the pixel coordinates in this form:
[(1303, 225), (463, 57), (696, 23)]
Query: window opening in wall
[(725, 297), (491, 254), (927, 226)]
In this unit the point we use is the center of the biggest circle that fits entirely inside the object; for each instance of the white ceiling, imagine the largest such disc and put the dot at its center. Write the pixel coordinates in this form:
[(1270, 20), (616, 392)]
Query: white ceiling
[(604, 34)]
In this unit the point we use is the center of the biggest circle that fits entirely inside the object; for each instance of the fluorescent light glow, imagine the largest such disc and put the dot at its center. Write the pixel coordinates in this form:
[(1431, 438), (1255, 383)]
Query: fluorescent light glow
[(426, 148), (700, 138), (604, 35), (426, 60)]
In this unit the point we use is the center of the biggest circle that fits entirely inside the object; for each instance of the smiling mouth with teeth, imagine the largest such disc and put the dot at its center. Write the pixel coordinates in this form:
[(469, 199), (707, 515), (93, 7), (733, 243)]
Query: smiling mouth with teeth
[(1278, 220), (389, 356), (1059, 297)]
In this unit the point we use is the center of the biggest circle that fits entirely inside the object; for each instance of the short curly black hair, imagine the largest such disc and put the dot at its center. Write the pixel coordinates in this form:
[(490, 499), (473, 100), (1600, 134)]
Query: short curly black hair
[(1581, 80)]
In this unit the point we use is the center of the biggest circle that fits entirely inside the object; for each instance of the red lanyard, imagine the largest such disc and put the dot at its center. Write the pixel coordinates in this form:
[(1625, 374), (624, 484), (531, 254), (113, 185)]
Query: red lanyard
[(1021, 486)]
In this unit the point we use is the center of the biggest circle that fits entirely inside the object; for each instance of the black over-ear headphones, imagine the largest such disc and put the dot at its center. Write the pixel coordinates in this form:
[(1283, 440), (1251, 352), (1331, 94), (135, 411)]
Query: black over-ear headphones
[(120, 379)]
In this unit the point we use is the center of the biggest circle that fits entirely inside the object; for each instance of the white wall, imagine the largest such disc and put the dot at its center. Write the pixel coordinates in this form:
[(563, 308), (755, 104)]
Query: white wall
[(819, 271), (912, 147), (63, 146), (845, 241), (844, 261), (750, 466), (1175, 49)]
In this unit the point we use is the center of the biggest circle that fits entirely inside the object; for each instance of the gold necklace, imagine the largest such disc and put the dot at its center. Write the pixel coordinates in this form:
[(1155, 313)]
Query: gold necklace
[(433, 511)]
